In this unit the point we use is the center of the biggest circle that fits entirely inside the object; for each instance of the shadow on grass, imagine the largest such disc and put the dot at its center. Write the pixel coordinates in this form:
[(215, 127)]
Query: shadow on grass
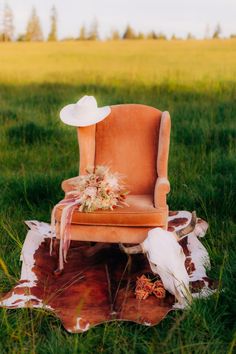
[(199, 100), (31, 133), (35, 191)]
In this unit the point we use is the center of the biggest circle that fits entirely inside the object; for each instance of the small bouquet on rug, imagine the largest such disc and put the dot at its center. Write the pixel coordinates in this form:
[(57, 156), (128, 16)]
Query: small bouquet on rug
[(99, 189), (146, 286)]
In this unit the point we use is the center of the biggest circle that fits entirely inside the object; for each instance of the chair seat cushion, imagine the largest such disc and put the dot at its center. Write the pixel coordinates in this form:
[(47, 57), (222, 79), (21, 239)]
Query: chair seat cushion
[(140, 212)]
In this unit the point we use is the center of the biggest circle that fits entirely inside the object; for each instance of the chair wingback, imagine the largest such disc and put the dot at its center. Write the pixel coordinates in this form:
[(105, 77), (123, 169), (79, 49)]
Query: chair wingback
[(127, 141)]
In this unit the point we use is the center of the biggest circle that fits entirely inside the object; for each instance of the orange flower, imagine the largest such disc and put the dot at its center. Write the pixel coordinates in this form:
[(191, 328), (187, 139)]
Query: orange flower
[(145, 287)]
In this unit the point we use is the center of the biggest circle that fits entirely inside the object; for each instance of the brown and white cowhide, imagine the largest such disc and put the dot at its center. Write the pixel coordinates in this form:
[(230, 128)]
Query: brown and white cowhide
[(100, 288)]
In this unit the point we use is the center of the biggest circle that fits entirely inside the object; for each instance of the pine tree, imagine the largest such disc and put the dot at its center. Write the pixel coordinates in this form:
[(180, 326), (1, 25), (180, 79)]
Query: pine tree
[(217, 32), (93, 33), (140, 35), (34, 30), (53, 31), (190, 36), (129, 33), (7, 24), (162, 36), (82, 33), (152, 35), (21, 37)]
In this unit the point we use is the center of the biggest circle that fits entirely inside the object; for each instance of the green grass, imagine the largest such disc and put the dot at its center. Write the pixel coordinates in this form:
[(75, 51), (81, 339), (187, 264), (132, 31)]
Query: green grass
[(196, 82)]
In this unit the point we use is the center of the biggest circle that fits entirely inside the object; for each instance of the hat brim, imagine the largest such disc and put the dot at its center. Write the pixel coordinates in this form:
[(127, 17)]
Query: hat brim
[(67, 116)]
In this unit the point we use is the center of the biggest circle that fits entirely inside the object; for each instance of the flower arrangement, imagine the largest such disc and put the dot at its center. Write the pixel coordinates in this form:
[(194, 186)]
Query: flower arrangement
[(98, 189), (145, 287)]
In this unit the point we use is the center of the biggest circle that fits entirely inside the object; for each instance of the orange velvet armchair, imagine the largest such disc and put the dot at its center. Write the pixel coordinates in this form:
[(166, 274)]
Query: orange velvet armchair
[(134, 141)]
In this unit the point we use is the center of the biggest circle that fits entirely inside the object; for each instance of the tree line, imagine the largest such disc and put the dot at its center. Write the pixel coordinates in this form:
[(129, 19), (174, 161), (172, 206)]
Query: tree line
[(34, 31)]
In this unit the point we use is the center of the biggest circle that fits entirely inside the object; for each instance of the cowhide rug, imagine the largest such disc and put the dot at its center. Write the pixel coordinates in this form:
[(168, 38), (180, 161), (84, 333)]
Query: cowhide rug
[(97, 289)]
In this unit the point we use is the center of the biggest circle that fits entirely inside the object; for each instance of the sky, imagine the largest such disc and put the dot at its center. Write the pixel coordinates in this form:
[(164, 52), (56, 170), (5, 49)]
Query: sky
[(168, 16)]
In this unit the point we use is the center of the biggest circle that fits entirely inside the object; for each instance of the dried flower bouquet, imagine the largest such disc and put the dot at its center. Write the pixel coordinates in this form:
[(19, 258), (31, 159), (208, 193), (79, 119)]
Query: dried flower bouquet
[(98, 189)]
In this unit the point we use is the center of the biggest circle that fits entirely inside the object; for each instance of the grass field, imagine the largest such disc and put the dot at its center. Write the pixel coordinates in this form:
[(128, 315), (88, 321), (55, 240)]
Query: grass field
[(196, 82)]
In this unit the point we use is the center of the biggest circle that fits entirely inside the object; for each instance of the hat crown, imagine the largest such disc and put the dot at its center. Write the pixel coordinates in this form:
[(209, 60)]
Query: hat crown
[(87, 105), (87, 101)]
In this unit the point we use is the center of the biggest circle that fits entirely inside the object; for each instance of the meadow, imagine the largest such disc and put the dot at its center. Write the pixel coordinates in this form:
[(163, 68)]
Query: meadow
[(196, 82)]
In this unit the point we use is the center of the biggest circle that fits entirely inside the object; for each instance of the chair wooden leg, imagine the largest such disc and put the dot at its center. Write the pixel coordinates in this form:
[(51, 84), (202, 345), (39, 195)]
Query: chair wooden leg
[(96, 248)]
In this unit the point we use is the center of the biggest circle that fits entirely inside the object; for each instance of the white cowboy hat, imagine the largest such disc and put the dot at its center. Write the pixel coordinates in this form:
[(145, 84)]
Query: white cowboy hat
[(84, 112)]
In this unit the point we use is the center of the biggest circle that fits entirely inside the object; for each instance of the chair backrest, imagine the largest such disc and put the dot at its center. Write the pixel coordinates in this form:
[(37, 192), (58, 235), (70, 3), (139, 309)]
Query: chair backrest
[(127, 141)]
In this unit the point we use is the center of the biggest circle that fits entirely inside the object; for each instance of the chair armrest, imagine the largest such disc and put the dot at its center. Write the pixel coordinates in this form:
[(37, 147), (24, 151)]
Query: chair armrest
[(163, 145), (67, 186), (162, 188)]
